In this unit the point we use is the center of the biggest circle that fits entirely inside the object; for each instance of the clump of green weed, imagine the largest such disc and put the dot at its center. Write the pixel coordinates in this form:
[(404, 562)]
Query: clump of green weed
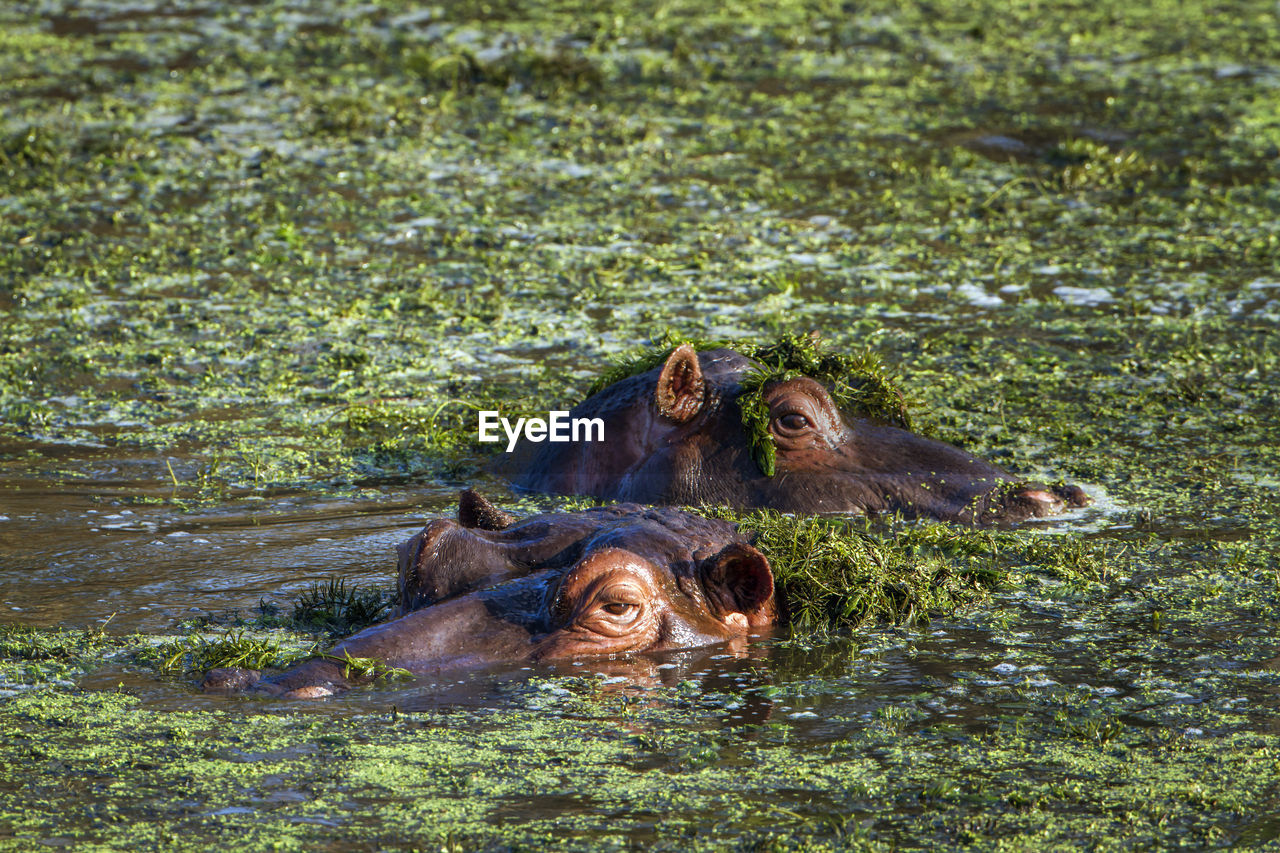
[(830, 575), (544, 73), (391, 427), (755, 420), (1067, 558), (1092, 165), (200, 654), (31, 154), (857, 381), (27, 643), (834, 574), (366, 668), (335, 608), (1096, 729), (410, 436)]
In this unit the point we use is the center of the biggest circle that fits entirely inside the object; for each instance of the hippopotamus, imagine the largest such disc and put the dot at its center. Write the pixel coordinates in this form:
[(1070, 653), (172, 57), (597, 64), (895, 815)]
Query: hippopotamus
[(678, 434), (602, 583)]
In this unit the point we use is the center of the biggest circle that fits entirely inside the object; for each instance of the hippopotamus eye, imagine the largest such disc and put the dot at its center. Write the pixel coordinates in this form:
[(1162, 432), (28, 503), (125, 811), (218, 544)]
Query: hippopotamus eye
[(793, 422), (612, 613), (619, 608)]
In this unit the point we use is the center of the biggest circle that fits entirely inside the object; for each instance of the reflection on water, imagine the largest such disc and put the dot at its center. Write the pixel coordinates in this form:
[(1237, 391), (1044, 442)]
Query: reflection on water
[(76, 552)]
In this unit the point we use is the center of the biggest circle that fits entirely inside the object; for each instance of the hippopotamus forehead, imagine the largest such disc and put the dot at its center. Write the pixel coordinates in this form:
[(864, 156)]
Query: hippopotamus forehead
[(523, 600), (446, 560), (665, 537), (558, 526), (804, 384), (547, 540), (691, 527)]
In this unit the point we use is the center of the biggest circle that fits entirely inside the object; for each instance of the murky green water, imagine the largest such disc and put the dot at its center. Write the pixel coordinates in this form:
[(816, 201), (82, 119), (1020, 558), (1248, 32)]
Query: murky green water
[(262, 261)]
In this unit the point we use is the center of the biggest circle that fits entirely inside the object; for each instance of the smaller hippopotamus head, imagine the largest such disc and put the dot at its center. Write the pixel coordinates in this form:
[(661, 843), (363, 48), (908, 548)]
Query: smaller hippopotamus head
[(604, 582), (718, 427)]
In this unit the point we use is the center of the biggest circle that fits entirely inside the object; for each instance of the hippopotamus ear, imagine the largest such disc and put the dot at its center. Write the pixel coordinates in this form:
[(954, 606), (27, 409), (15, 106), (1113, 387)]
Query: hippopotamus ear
[(738, 580), (476, 512), (680, 386)]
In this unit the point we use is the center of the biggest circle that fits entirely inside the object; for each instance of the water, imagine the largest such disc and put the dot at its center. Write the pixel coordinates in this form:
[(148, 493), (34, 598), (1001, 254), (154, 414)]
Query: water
[(261, 262), (80, 550), (83, 551)]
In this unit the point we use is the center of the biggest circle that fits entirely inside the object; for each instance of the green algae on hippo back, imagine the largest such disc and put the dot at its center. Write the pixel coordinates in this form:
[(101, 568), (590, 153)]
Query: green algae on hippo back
[(786, 426)]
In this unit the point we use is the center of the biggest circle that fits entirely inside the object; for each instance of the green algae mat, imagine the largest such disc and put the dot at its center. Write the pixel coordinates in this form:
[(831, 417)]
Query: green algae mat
[(263, 262)]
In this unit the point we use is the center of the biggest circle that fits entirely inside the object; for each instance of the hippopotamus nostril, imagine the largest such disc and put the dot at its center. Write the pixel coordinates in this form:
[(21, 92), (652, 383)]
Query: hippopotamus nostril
[(1073, 495), (229, 679), (1039, 502)]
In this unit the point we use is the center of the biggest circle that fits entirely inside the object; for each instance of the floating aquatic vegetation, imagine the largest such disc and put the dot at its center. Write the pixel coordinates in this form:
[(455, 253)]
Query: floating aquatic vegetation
[(1056, 221), (837, 574), (336, 608), (28, 643), (366, 668), (197, 654)]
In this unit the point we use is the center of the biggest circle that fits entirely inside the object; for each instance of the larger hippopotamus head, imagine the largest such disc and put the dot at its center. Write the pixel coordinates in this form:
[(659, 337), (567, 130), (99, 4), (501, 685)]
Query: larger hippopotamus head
[(719, 428), (602, 583)]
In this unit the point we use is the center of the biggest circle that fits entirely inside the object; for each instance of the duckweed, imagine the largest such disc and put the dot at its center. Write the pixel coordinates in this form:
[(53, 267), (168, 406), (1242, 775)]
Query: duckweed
[(270, 256)]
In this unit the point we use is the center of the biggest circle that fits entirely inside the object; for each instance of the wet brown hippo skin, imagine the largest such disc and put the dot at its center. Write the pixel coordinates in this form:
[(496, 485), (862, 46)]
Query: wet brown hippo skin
[(598, 583), (674, 435)]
